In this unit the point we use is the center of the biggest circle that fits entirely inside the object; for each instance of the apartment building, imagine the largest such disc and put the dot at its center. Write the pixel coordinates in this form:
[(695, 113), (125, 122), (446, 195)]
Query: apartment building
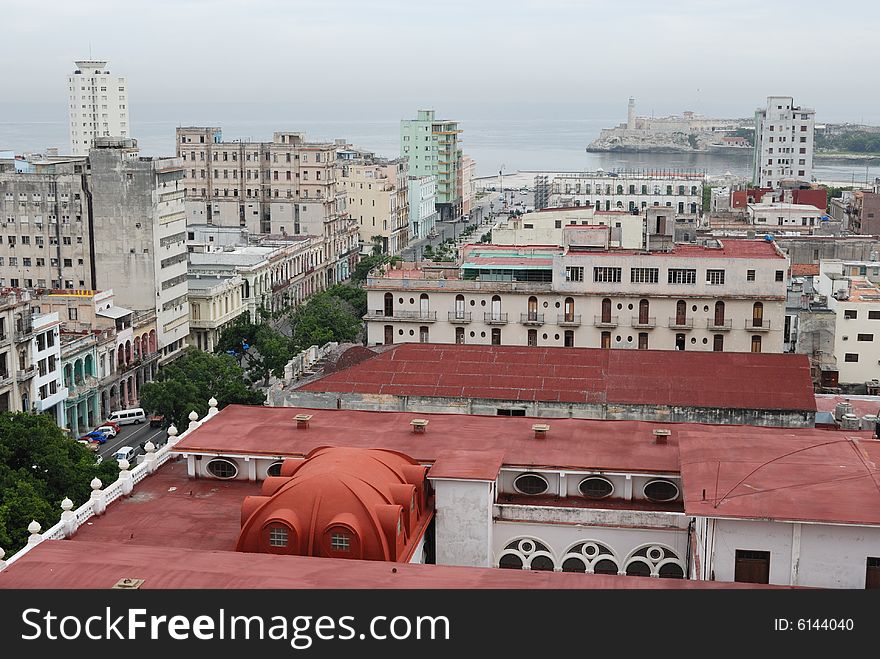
[(851, 290), (109, 220), (466, 186), (15, 359), (626, 191), (549, 227), (97, 105), (726, 296), (422, 205), (378, 199), (771, 216), (783, 142), (214, 304), (433, 148), (284, 187), (47, 390), (277, 273)]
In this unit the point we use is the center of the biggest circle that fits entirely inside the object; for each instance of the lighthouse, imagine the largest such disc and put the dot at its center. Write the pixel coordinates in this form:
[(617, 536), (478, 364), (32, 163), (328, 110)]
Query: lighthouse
[(631, 114)]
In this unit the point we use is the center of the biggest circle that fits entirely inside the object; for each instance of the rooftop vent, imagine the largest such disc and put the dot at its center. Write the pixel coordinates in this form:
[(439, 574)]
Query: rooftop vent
[(541, 430), (302, 420), (419, 425), (660, 435), (129, 584)]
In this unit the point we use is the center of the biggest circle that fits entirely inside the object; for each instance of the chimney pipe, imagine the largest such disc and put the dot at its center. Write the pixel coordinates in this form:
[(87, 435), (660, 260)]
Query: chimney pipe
[(302, 421), (419, 426), (541, 430), (660, 435)]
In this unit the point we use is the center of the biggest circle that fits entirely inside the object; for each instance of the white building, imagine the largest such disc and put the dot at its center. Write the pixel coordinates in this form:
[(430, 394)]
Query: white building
[(48, 392), (548, 227), (97, 106), (853, 294), (773, 215), (726, 297), (422, 205), (214, 304), (783, 142)]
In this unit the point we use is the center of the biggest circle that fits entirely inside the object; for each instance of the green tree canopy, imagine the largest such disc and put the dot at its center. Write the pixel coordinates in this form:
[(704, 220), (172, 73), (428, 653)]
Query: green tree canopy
[(268, 349), (186, 384), (355, 296), (39, 467), (324, 318)]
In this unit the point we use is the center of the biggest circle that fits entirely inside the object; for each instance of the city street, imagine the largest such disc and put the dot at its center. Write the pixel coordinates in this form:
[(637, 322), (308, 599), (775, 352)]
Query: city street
[(481, 213), (133, 435)]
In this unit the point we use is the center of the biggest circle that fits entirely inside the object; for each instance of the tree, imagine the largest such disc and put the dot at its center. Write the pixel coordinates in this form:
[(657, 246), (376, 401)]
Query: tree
[(267, 351), (40, 466), (378, 247), (354, 296), (186, 384), (365, 265), (322, 319)]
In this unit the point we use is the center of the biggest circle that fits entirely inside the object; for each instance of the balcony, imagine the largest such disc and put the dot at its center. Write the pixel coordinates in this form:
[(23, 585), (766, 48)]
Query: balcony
[(568, 320), (404, 316), (681, 323), (5, 379), (762, 325), (610, 321), (531, 318), (25, 374), (495, 318), (644, 323), (715, 326), (460, 316)]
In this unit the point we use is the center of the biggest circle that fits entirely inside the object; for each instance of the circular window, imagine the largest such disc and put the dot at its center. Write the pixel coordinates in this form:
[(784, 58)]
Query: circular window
[(412, 301), (274, 469), (660, 490), (545, 335), (483, 303), (400, 300), (617, 338), (526, 546), (473, 302), (629, 339), (705, 341), (596, 488), (619, 305), (531, 484), (706, 308), (655, 553), (222, 468), (546, 305), (473, 334), (412, 332), (483, 335), (557, 336), (557, 305), (400, 331), (694, 308), (590, 549), (693, 339), (630, 306)]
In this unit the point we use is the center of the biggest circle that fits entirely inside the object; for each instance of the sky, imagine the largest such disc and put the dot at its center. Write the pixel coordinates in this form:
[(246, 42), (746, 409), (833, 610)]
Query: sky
[(524, 58)]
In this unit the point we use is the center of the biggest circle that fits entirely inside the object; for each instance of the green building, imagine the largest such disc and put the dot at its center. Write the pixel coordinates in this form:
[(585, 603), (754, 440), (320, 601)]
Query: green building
[(432, 148)]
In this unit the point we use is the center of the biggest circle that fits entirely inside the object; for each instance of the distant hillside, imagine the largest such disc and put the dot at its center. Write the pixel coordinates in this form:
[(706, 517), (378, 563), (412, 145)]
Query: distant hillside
[(850, 141)]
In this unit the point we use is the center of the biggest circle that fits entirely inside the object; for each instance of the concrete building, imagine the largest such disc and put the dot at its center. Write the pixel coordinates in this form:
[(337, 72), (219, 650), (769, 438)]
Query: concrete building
[(585, 383), (422, 206), (729, 296), (277, 273), (852, 292), (433, 148), (549, 226), (97, 105), (783, 143), (112, 220), (79, 356), (378, 199), (214, 304), (47, 390), (467, 188), (284, 187), (788, 216), (16, 365), (626, 191)]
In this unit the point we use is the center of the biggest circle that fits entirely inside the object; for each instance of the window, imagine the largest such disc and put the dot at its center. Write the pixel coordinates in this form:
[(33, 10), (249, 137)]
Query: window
[(71, 313), (872, 572), (643, 340), (531, 484), (596, 488), (718, 343), (866, 337), (222, 468), (715, 277), (750, 275), (532, 338), (604, 274), (682, 276), (278, 536), (274, 469), (851, 314), (644, 275), (756, 343), (568, 339), (661, 490), (496, 336), (459, 335), (850, 357), (340, 542), (874, 315), (509, 412), (574, 273), (752, 566)]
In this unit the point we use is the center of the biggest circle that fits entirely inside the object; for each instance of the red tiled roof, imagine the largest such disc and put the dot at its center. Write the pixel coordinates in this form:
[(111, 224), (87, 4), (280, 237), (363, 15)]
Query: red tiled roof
[(731, 249), (468, 465), (729, 380), (804, 269), (65, 564), (810, 476)]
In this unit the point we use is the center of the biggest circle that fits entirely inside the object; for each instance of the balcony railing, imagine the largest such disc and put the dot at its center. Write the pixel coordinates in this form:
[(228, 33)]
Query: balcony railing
[(495, 318), (610, 321), (568, 320), (681, 323), (761, 326), (644, 323), (460, 316), (721, 326), (405, 316), (24, 374), (531, 318)]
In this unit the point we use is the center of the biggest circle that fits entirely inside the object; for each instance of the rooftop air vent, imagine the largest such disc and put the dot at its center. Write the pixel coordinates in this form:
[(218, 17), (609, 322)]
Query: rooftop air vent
[(302, 420), (419, 426), (661, 435), (129, 584), (541, 430)]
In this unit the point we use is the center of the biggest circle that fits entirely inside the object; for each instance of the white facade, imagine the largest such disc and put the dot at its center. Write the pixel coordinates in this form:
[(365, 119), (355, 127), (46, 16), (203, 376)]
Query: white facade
[(422, 210), (783, 142), (97, 106), (47, 386), (627, 191), (548, 227), (214, 303), (772, 216)]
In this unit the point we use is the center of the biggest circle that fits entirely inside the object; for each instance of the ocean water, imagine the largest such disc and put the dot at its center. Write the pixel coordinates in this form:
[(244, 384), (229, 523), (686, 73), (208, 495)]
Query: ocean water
[(524, 138)]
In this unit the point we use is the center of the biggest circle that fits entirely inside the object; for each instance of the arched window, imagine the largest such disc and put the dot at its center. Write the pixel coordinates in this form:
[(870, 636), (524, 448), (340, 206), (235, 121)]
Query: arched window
[(757, 314), (423, 305), (533, 308), (459, 307), (496, 308), (606, 310), (220, 468), (510, 562), (638, 569), (619, 189), (680, 312), (574, 564), (719, 314), (644, 312), (671, 571), (389, 304), (569, 309), (605, 566)]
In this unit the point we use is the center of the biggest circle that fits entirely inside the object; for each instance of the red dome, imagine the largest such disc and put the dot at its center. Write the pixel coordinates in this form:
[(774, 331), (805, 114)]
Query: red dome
[(340, 502)]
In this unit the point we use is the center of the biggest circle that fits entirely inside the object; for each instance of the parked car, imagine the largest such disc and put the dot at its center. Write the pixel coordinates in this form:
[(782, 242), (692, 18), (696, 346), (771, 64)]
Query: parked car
[(112, 424), (157, 421), (124, 417), (93, 436), (124, 453), (88, 444), (110, 431)]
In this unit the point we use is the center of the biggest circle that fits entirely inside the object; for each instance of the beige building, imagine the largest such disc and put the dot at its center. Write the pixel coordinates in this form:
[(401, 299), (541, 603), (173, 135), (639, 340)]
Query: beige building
[(466, 185), (17, 369), (548, 227), (725, 297), (214, 303), (378, 200), (284, 187)]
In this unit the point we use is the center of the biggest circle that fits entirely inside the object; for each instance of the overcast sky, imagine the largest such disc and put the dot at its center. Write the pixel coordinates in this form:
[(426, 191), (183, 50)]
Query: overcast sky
[(711, 56)]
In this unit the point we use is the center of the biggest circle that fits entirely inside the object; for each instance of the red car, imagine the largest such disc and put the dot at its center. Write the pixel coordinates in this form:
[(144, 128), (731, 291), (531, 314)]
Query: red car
[(112, 424)]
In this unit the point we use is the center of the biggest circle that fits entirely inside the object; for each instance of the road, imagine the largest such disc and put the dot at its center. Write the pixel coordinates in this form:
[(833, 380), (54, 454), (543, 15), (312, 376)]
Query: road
[(133, 435)]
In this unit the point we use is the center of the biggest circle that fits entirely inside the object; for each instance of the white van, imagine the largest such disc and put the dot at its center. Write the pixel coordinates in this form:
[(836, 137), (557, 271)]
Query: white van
[(125, 417), (124, 453)]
